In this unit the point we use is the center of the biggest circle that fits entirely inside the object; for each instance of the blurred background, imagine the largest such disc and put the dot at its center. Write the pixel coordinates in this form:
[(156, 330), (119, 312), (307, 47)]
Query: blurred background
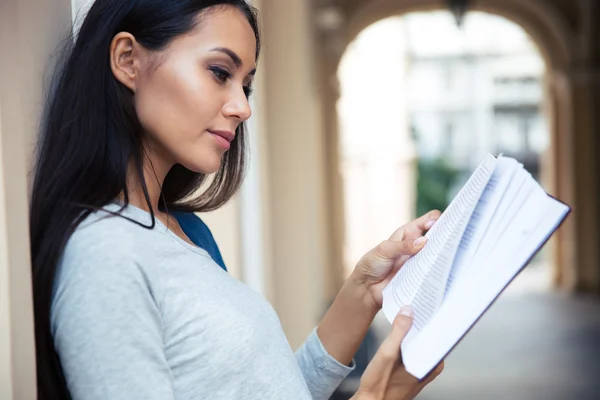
[(367, 114)]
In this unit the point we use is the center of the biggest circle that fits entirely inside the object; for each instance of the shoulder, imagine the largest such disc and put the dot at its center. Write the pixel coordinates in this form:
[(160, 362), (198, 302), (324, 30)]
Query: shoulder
[(105, 248), (103, 234), (103, 263)]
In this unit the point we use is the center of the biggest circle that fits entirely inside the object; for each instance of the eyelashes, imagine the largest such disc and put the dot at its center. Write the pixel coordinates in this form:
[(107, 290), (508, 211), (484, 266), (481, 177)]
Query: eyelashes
[(220, 74), (223, 75)]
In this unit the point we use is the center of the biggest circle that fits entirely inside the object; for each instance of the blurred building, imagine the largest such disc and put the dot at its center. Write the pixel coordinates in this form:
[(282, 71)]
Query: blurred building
[(475, 89), (450, 94), (558, 29), (377, 154), (284, 233)]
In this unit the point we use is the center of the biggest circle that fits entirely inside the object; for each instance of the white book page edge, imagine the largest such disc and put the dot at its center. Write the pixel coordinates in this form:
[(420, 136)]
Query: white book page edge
[(427, 349)]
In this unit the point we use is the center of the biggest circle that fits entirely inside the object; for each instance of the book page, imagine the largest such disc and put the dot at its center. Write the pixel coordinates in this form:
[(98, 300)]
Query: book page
[(429, 293), (514, 233), (512, 203), (482, 216), (421, 282), (535, 220)]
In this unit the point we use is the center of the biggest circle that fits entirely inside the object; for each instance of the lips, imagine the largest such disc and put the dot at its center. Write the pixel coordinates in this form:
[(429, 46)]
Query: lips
[(227, 135)]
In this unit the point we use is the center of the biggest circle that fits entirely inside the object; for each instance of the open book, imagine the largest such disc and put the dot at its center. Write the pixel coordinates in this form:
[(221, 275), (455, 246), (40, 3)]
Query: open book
[(486, 236)]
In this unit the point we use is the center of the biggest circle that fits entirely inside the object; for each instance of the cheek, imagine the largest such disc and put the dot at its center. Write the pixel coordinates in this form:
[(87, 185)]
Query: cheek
[(174, 105)]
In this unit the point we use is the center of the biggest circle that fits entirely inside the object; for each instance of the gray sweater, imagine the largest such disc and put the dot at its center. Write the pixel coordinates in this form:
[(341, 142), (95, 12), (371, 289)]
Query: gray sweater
[(142, 314)]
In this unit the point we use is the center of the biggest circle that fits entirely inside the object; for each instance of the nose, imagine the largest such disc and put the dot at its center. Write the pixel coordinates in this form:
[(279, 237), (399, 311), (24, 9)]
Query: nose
[(237, 105)]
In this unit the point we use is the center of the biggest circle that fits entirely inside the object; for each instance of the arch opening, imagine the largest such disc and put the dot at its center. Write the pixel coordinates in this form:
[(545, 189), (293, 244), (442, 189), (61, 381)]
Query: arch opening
[(421, 102)]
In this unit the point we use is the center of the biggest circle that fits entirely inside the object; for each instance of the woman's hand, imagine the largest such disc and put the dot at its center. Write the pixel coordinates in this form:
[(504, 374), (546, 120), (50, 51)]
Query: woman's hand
[(385, 377), (376, 268), (347, 321)]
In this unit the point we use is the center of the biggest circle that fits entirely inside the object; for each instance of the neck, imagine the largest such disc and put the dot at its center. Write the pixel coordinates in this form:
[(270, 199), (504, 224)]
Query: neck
[(155, 171)]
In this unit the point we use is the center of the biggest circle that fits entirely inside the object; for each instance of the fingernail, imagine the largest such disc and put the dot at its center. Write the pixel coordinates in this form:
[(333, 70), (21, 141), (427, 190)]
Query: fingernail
[(406, 310), (429, 223), (419, 241)]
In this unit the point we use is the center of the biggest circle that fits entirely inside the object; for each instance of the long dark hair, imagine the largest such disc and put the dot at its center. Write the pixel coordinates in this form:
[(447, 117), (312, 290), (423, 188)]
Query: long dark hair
[(90, 135)]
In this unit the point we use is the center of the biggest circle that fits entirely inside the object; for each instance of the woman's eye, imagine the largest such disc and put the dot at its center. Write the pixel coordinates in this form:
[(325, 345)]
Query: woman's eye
[(220, 73), (247, 91)]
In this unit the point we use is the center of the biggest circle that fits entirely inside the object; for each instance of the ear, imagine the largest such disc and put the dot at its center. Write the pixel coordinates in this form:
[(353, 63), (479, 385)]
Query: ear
[(124, 59)]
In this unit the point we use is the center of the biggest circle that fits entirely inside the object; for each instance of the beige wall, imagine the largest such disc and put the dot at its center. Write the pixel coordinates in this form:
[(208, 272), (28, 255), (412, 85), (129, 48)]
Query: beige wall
[(300, 244), (6, 377), (225, 226), (29, 33)]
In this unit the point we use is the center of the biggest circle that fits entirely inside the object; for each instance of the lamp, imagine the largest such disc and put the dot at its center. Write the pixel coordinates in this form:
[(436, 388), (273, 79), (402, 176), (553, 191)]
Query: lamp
[(458, 8)]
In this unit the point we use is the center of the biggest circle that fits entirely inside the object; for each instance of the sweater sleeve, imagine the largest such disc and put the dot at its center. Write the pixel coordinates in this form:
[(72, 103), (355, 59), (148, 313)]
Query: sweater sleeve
[(322, 372), (106, 324)]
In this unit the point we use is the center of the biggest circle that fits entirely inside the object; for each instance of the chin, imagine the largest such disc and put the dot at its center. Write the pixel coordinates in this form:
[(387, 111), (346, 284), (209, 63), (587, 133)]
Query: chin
[(207, 167)]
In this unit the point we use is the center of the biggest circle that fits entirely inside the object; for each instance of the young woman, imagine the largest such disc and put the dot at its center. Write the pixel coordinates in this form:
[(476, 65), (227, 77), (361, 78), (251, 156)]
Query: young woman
[(131, 297)]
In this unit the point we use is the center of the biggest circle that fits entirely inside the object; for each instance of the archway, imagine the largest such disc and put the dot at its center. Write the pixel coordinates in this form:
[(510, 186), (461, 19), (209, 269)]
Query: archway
[(572, 178), (422, 101)]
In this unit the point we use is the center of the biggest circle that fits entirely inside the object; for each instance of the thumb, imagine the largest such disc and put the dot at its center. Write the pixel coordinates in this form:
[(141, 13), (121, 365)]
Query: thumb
[(376, 377), (377, 263), (392, 249)]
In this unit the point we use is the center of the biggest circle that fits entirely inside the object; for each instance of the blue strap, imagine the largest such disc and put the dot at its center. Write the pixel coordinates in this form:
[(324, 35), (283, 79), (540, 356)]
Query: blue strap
[(200, 234)]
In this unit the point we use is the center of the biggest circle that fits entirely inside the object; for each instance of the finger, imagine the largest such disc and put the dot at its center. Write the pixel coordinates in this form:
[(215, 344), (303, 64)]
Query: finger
[(421, 225), (412, 247), (376, 377), (392, 249)]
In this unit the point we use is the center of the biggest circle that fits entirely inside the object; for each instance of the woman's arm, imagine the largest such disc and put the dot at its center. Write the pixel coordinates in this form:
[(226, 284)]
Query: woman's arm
[(345, 324), (325, 358), (347, 321), (106, 323)]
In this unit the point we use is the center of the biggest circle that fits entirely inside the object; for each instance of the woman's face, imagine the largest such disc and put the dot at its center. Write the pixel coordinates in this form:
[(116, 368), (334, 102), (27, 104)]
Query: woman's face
[(192, 103)]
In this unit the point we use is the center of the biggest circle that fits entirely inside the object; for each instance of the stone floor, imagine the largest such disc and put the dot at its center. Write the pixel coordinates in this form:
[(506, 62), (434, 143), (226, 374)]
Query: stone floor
[(529, 346)]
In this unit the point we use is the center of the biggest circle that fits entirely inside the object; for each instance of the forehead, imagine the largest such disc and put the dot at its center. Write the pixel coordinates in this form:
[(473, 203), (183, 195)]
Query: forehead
[(222, 26)]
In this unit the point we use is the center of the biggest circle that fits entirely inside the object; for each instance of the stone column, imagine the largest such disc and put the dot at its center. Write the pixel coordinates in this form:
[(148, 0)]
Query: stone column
[(300, 248), (30, 31)]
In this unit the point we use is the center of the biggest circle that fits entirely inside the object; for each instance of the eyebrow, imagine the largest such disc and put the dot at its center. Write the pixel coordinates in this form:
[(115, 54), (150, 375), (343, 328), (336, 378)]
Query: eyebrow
[(234, 57)]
